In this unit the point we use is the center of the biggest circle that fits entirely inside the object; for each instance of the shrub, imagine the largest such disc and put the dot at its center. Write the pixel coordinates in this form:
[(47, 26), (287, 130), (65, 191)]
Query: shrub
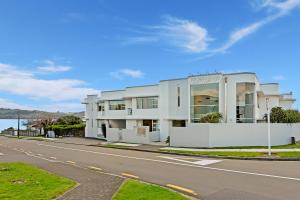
[(212, 118), (292, 116), (69, 120), (277, 115), (67, 130)]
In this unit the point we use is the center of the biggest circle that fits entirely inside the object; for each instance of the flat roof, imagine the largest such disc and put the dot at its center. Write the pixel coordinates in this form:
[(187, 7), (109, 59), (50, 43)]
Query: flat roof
[(269, 84)]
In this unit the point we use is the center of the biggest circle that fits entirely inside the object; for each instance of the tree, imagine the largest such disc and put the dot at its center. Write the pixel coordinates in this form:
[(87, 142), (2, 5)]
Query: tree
[(277, 115), (69, 120), (212, 118), (42, 122), (292, 116)]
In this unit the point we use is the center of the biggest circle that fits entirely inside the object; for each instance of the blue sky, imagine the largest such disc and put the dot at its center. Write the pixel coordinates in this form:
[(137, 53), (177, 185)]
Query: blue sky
[(54, 52)]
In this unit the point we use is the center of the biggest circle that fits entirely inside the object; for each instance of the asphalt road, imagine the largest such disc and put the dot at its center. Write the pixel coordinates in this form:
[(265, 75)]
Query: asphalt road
[(205, 178)]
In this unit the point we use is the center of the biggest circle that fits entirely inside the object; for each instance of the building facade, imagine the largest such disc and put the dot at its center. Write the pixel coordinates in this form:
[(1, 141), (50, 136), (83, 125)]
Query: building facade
[(153, 109)]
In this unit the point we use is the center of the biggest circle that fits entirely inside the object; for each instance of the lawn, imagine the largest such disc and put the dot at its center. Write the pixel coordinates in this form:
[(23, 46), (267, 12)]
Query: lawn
[(287, 146), (288, 154), (218, 153), (20, 181), (135, 190), (238, 153)]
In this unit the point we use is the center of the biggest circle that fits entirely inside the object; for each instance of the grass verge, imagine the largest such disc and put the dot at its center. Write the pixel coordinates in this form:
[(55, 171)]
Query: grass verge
[(218, 153), (23, 181), (288, 146), (238, 153), (136, 190)]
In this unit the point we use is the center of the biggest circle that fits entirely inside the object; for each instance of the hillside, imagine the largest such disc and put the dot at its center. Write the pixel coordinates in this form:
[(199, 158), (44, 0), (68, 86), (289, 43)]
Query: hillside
[(6, 113)]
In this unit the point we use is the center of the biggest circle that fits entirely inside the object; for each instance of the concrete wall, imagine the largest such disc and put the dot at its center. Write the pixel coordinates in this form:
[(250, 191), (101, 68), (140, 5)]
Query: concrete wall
[(131, 136), (191, 136), (222, 135)]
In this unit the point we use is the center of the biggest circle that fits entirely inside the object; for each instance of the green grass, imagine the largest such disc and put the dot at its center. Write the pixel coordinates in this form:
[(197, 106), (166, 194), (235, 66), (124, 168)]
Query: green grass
[(19, 181), (287, 146), (288, 154), (219, 153), (135, 190), (238, 154)]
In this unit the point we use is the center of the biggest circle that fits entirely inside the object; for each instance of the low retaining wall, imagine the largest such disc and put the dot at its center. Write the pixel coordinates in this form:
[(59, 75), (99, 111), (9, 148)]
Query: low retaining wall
[(222, 135), (131, 136)]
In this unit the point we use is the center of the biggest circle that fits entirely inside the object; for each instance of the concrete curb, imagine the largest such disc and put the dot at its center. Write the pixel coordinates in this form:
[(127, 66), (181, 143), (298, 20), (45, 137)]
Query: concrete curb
[(203, 156)]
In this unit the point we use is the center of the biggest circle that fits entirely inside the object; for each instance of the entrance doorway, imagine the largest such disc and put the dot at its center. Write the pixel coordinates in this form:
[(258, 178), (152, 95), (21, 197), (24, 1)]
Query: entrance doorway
[(103, 128), (148, 123)]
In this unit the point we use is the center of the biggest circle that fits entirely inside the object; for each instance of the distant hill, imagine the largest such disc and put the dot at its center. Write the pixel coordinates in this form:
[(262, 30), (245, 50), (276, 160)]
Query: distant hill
[(6, 113)]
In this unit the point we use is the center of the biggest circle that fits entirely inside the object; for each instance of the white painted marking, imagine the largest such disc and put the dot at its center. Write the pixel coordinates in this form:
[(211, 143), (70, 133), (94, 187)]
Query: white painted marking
[(175, 163), (125, 144), (39, 154), (95, 168), (1, 154), (202, 162), (53, 158)]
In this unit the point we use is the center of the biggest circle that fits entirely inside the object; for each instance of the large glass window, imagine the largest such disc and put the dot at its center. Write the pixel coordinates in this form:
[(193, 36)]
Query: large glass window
[(147, 102), (204, 100), (245, 102), (117, 105)]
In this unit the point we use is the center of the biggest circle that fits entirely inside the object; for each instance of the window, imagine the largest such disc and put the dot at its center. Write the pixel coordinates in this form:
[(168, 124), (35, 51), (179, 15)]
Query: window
[(147, 102), (204, 100), (101, 107), (179, 123), (155, 125), (152, 124), (178, 96), (117, 105), (245, 102)]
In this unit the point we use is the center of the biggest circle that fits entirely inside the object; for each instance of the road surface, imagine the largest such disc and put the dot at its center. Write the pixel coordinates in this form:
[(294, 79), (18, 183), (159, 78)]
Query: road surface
[(210, 179)]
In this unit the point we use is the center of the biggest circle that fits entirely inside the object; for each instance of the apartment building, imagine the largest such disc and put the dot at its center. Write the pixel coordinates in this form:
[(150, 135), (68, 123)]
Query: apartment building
[(152, 109)]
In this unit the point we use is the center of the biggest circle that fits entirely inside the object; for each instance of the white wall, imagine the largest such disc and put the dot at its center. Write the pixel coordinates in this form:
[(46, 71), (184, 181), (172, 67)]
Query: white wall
[(131, 136), (191, 136), (91, 128), (222, 135), (142, 91)]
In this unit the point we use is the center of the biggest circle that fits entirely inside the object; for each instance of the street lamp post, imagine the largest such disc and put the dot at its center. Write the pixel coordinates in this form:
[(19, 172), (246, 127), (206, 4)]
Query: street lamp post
[(269, 127), (18, 125)]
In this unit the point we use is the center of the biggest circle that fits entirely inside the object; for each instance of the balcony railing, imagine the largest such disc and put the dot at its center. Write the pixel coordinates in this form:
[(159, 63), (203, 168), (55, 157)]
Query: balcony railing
[(129, 111)]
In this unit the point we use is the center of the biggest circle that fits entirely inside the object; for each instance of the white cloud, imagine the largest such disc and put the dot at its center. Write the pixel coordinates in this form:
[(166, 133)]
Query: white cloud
[(282, 8), (132, 73), (20, 82), (278, 78), (181, 33), (6, 103), (51, 67), (62, 107), (184, 33)]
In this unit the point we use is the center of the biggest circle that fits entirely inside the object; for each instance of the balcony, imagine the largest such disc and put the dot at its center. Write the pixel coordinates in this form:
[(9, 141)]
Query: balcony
[(129, 111)]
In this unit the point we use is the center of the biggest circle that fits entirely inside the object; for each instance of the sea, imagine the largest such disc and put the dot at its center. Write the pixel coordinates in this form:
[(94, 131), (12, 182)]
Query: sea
[(6, 123)]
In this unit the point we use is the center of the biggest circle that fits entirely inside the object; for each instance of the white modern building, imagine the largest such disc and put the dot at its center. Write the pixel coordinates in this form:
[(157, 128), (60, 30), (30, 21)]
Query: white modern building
[(144, 114)]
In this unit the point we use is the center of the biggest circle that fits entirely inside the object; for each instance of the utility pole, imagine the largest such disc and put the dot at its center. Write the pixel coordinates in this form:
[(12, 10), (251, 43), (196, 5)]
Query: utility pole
[(18, 125), (269, 127)]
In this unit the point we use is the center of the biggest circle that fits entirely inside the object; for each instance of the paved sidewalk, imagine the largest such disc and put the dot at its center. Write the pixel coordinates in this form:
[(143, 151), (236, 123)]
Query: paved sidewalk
[(92, 185)]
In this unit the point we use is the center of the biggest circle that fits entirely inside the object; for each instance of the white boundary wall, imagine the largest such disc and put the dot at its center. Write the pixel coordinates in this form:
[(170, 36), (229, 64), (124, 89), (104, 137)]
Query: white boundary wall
[(131, 136), (222, 135)]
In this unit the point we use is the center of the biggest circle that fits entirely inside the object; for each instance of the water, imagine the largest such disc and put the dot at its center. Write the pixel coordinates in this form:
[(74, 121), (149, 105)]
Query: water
[(6, 123)]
